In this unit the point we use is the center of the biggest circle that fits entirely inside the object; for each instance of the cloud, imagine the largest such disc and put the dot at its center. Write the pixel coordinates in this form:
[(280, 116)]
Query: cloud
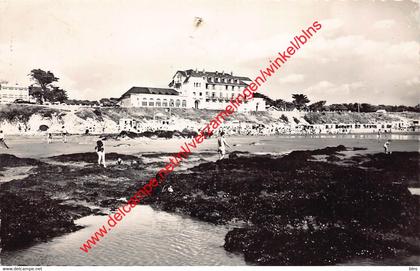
[(332, 24), (292, 78), (326, 89), (383, 24)]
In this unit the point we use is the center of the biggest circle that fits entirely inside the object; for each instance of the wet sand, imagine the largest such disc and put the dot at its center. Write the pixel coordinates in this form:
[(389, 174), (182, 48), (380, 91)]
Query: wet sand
[(63, 184)]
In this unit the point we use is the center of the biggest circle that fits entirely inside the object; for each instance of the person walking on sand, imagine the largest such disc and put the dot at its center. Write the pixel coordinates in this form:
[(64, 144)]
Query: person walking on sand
[(2, 143), (100, 150), (386, 147), (221, 142), (64, 134)]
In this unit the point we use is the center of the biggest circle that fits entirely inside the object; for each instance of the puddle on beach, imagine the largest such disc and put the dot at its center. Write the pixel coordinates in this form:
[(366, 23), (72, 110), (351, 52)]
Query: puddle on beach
[(145, 237)]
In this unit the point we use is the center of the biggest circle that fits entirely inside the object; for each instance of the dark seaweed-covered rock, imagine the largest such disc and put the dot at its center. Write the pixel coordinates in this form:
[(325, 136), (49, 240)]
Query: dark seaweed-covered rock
[(92, 157), (401, 167), (310, 247)]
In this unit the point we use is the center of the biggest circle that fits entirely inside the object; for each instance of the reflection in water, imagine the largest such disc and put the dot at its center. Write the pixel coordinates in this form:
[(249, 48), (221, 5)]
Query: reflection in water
[(144, 237)]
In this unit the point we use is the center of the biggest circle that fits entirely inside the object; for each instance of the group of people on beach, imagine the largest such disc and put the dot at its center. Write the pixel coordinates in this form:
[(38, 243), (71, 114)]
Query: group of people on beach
[(100, 149), (63, 135)]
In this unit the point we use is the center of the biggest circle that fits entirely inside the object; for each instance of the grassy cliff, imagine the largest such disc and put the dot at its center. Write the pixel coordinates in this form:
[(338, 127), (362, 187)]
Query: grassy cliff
[(77, 120)]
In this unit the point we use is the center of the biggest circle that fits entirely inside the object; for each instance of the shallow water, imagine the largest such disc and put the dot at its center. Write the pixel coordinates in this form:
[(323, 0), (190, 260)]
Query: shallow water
[(144, 237)]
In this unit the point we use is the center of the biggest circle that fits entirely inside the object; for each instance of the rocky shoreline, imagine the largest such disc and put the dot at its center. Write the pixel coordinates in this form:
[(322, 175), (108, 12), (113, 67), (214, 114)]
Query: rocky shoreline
[(303, 208), (63, 188), (308, 207)]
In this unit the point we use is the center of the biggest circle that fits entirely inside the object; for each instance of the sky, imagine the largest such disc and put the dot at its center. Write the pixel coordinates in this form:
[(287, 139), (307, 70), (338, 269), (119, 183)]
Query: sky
[(366, 51)]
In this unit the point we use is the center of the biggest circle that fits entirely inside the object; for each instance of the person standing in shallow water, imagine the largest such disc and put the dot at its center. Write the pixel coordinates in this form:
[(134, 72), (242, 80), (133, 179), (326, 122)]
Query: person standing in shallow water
[(100, 150), (221, 142), (2, 143)]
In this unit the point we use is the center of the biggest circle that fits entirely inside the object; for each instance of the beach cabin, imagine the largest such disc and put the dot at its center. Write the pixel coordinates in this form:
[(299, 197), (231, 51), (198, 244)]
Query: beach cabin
[(130, 125)]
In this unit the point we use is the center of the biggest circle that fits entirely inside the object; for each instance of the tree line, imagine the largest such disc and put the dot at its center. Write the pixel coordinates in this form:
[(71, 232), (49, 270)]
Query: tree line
[(301, 102)]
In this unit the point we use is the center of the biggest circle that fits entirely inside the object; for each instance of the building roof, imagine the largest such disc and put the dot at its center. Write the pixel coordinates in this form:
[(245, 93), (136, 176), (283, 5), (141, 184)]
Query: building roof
[(148, 90), (223, 75)]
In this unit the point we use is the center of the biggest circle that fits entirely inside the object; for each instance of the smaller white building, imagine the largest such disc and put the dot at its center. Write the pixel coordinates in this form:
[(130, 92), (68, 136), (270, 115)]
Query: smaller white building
[(129, 125), (153, 97), (11, 93)]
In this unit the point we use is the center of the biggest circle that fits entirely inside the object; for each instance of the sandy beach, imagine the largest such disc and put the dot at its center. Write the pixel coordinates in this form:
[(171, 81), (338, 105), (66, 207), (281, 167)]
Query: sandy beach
[(255, 144)]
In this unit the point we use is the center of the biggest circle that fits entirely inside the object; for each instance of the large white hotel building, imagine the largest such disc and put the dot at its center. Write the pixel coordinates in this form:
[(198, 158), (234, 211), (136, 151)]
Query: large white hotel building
[(194, 89)]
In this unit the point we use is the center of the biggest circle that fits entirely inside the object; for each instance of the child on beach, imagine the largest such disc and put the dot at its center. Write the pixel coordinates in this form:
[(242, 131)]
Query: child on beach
[(386, 147), (2, 143), (100, 150), (221, 142)]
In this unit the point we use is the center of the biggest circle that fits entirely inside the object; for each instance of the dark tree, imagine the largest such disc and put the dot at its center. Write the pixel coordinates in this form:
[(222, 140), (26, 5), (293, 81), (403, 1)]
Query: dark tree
[(108, 102), (300, 101), (43, 78), (284, 118), (318, 106), (280, 104), (338, 107), (35, 92), (365, 107), (284, 104)]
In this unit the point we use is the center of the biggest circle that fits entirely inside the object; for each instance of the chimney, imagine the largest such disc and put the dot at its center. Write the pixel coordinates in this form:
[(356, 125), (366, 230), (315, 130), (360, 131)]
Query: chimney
[(231, 73)]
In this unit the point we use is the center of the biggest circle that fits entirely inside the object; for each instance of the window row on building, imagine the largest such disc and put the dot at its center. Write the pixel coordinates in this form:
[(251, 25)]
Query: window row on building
[(151, 102), (22, 96), (13, 88), (224, 87), (214, 95), (220, 100), (219, 87), (222, 80)]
